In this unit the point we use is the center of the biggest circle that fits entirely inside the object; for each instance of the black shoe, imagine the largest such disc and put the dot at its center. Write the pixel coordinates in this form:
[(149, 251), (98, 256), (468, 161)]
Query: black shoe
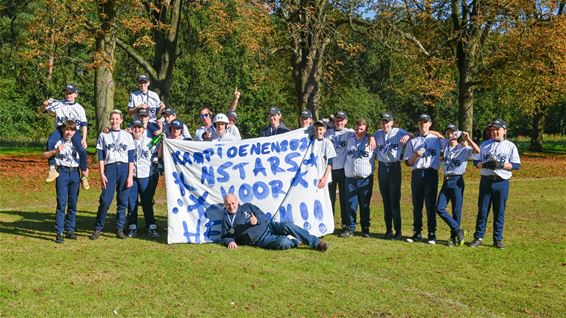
[(460, 237), (475, 243), (417, 236), (499, 244), (71, 235), (120, 234), (322, 246), (94, 235), (431, 238), (133, 233), (452, 242), (346, 233), (59, 238), (365, 233), (152, 231), (389, 235)]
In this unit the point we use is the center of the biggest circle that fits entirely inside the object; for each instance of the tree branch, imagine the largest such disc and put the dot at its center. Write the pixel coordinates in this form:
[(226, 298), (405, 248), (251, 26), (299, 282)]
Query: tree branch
[(133, 53)]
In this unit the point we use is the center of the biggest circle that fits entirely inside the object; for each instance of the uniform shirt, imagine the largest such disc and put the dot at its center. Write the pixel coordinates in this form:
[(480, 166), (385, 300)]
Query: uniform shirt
[(143, 157), (502, 151), (226, 137), (69, 157), (389, 147), (359, 158), (243, 232), (431, 156), (232, 129), (456, 159), (339, 139), (270, 130), (202, 130), (150, 129), (186, 134), (151, 98), (65, 110), (115, 146), (324, 150)]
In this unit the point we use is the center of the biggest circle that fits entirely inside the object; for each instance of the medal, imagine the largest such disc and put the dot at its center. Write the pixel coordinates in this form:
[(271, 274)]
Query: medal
[(231, 231)]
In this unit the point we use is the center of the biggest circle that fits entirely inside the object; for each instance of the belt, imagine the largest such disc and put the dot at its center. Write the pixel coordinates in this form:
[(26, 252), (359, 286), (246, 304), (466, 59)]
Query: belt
[(452, 176), (390, 164), (493, 177), (65, 168), (359, 178)]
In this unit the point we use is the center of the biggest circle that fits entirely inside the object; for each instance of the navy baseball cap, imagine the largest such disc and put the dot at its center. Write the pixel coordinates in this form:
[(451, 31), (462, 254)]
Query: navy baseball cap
[(70, 88), (341, 114), (169, 111), (451, 127), (319, 122), (232, 114), (424, 117), (176, 124), (137, 123), (386, 116), (305, 113), (498, 123), (143, 112), (274, 111), (143, 79)]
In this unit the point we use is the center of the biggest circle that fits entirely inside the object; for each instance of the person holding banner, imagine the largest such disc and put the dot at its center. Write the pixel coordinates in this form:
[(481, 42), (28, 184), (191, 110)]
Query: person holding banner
[(247, 225), (275, 127), (220, 132), (325, 153)]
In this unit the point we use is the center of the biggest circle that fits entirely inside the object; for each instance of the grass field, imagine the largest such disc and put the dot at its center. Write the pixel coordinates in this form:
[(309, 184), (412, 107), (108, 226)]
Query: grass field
[(356, 277)]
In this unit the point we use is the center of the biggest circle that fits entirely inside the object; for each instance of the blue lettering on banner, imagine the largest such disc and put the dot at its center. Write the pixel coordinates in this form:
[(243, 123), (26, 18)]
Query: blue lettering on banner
[(304, 211), (219, 152), (240, 168), (231, 189), (200, 204), (180, 181), (232, 152), (311, 160), (276, 188), (255, 149), (209, 232), (261, 190), (265, 149), (243, 151), (207, 175), (318, 213), (286, 214), (188, 234), (289, 160), (299, 179), (224, 176), (258, 167), (283, 145), (274, 164), (246, 193)]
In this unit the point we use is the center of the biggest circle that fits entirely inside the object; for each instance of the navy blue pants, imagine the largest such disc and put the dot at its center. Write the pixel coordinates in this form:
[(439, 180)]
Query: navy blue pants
[(56, 135), (424, 186), (275, 237), (389, 177), (358, 194), (67, 188), (117, 175), (145, 189), (452, 190), (493, 191), (339, 181)]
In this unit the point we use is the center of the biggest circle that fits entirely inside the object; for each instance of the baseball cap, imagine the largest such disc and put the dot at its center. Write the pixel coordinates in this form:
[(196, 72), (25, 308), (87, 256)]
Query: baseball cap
[(169, 111), (137, 123), (176, 124), (305, 113), (424, 117), (274, 111), (386, 116), (70, 88), (232, 114), (341, 114), (451, 127), (143, 112), (319, 122), (498, 123), (143, 79)]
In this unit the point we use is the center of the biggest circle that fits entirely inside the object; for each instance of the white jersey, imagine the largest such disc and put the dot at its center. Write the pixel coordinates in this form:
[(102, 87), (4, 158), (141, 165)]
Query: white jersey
[(69, 157), (359, 158), (186, 134), (456, 159), (151, 98), (339, 139), (116, 145), (202, 130), (143, 157), (226, 137), (64, 111), (432, 146), (389, 147), (232, 129), (324, 150), (502, 151)]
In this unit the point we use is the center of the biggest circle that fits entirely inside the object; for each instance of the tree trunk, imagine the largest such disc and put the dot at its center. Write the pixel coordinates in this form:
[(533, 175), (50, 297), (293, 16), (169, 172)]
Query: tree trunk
[(465, 107), (537, 130), (104, 85)]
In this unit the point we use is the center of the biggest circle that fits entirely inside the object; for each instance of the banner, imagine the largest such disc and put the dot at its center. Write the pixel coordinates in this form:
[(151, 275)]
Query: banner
[(277, 173)]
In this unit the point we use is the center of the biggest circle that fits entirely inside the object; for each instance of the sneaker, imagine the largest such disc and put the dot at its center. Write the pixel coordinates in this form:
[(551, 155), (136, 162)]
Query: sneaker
[(431, 238), (84, 183), (133, 233), (452, 242), (417, 236), (94, 235), (365, 233), (120, 234), (398, 236), (323, 246), (347, 233), (460, 237), (389, 235), (476, 242), (71, 235), (59, 238), (152, 231), (53, 174), (499, 244)]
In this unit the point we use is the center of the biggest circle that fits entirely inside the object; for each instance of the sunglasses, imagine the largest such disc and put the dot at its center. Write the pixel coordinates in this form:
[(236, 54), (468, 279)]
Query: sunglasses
[(204, 115)]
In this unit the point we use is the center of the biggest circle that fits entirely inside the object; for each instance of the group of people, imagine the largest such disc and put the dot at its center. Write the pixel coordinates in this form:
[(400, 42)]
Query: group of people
[(129, 163)]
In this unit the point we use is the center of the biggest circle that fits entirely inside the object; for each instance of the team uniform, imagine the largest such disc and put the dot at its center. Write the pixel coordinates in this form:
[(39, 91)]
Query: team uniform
[(226, 137), (424, 182), (339, 139), (494, 185), (324, 150), (270, 130), (63, 111), (186, 134), (388, 154), (200, 131), (234, 131), (117, 150), (150, 98), (358, 170)]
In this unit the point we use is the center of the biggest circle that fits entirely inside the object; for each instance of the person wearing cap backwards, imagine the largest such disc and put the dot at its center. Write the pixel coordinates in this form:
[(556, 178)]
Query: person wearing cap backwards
[(116, 151), (145, 182), (423, 155), (275, 127), (325, 153), (455, 159), (220, 129), (305, 118), (63, 110), (390, 141), (67, 184), (497, 158), (231, 128), (143, 98)]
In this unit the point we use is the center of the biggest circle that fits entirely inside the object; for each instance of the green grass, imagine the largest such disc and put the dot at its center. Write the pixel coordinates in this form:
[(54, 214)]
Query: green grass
[(356, 277)]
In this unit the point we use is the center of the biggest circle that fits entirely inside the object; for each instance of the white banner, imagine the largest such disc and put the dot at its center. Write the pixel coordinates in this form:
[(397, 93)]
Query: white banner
[(277, 173)]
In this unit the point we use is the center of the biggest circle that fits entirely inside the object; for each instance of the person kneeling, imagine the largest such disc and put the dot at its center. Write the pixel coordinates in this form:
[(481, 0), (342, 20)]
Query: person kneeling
[(247, 225)]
